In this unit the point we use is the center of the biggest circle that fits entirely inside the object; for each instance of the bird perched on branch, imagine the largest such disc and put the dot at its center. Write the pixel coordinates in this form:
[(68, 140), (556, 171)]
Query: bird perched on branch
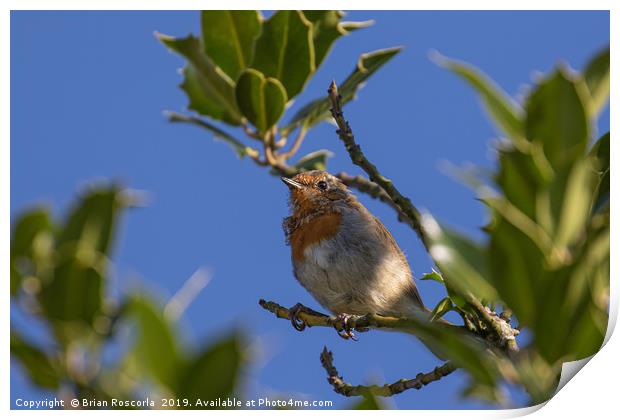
[(343, 255)]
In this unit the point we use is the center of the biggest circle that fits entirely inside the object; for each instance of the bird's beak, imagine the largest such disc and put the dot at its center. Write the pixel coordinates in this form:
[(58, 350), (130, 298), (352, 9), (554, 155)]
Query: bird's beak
[(291, 184)]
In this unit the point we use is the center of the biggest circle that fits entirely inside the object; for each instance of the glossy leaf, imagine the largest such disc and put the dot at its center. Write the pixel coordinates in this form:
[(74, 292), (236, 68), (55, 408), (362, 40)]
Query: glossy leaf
[(519, 178), (433, 275), (504, 111), (315, 160), (575, 204), (327, 28), (214, 372), (209, 89), (156, 344), (285, 50), (443, 307), (39, 366), (557, 118), (318, 110), (600, 152), (463, 263), (517, 269), (597, 77), (228, 38), (260, 99)]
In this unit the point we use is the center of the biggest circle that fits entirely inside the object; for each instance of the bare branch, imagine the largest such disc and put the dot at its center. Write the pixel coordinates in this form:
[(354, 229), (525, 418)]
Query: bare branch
[(375, 191), (348, 390), (250, 132), (297, 143), (360, 323), (357, 157)]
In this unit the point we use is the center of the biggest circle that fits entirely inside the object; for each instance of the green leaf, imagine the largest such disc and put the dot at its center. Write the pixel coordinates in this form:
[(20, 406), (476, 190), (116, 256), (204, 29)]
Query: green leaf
[(37, 364), (520, 178), (228, 37), (516, 269), (26, 228), (285, 50), (76, 291), (504, 111), (31, 231), (260, 99), (557, 118), (600, 152), (463, 349), (538, 377), (314, 160), (354, 26), (575, 204), (433, 275), (443, 307), (596, 75), (237, 145), (483, 392), (156, 344), (367, 402), (92, 221), (318, 110), (327, 28), (209, 89), (214, 372), (463, 263)]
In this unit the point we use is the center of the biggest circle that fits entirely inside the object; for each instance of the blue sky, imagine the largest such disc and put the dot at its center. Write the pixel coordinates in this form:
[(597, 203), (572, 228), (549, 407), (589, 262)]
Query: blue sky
[(87, 94)]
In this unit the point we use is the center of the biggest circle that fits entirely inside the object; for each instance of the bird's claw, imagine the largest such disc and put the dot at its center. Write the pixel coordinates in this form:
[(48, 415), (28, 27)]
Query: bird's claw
[(294, 312), (343, 326), (297, 323)]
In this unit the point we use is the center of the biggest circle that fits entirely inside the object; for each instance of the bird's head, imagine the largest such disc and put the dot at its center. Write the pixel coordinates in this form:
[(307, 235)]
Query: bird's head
[(314, 190)]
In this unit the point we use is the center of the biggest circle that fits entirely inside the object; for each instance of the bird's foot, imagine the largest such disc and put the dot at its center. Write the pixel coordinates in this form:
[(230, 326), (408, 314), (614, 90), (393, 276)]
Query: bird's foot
[(298, 309), (345, 324)]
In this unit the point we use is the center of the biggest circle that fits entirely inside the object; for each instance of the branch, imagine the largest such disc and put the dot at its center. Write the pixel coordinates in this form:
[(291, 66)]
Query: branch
[(348, 390), (297, 143), (360, 323), (502, 328), (357, 157), (306, 317), (375, 191), (504, 331)]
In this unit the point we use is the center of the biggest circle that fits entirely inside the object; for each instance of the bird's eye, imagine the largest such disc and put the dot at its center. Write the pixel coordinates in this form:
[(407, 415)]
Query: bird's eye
[(322, 185)]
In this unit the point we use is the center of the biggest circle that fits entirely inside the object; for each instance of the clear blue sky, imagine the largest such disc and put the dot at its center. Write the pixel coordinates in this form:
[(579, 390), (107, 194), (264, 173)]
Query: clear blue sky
[(87, 94)]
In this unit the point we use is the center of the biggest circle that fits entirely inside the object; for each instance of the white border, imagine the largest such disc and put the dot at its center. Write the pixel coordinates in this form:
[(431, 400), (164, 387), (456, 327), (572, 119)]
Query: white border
[(592, 392)]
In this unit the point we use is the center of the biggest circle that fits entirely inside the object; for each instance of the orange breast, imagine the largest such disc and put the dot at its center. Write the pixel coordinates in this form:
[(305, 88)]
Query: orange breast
[(321, 228)]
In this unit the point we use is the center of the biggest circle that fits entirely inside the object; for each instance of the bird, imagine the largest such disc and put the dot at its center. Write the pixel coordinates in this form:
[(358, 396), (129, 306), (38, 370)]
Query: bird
[(343, 255)]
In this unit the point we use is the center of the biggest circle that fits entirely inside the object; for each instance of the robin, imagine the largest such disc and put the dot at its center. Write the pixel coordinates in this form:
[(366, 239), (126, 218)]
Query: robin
[(343, 255)]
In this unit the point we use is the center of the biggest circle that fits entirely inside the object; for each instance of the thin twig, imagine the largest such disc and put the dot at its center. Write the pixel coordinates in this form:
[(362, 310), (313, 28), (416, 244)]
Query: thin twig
[(360, 323), (357, 157), (175, 117), (348, 390), (296, 144), (250, 132), (375, 191)]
